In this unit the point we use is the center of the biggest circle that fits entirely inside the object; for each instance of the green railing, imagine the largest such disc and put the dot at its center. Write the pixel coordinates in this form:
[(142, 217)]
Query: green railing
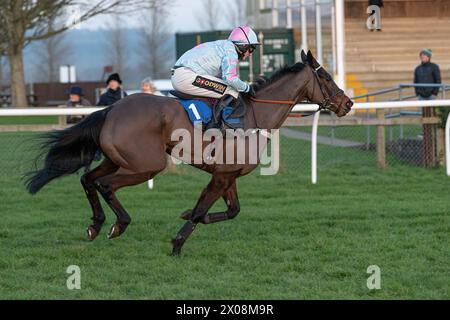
[(400, 89)]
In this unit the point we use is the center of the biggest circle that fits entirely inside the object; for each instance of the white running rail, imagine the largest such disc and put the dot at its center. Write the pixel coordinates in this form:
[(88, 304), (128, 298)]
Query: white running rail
[(375, 105)]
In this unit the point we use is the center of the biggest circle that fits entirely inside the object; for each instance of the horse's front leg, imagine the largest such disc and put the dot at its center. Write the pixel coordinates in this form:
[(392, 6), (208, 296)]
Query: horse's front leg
[(215, 189), (232, 201)]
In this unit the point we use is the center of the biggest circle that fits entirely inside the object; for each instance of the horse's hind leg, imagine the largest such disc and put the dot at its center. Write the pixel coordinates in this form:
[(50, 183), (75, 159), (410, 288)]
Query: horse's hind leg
[(107, 186), (87, 181)]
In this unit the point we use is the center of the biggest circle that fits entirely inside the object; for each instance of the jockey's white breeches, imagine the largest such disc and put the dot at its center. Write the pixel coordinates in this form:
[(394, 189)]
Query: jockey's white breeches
[(187, 81)]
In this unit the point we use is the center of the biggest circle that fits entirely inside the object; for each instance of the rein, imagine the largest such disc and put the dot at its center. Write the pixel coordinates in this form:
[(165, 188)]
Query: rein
[(322, 105), (283, 102), (288, 103)]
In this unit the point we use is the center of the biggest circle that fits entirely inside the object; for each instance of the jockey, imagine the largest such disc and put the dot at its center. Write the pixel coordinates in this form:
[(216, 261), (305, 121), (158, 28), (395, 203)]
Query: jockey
[(210, 69)]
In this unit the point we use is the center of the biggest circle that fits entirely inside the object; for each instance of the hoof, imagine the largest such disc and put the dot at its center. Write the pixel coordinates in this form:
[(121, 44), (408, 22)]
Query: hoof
[(116, 230), (92, 233), (176, 247), (186, 215)]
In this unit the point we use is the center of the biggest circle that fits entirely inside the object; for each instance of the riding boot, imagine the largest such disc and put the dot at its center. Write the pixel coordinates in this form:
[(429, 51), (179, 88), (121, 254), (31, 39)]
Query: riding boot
[(216, 119)]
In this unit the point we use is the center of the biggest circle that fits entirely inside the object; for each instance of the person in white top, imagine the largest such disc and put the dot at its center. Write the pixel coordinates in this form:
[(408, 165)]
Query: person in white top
[(147, 86)]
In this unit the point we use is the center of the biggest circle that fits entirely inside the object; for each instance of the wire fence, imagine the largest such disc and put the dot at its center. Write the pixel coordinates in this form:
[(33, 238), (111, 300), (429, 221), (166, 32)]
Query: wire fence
[(357, 144), (352, 146), (342, 146)]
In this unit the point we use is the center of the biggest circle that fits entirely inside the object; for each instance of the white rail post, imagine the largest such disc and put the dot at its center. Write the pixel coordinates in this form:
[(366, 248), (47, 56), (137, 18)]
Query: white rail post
[(314, 148)]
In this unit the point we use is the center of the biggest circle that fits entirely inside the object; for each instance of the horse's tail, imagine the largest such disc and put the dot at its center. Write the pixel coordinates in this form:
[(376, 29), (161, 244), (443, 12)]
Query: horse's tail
[(68, 150)]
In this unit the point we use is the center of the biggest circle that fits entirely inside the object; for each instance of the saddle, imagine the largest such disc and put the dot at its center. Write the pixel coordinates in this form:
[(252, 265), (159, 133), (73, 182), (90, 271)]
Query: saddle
[(212, 102), (232, 115)]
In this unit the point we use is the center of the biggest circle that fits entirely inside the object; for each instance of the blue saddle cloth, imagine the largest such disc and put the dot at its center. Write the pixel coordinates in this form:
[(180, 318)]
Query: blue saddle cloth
[(199, 111)]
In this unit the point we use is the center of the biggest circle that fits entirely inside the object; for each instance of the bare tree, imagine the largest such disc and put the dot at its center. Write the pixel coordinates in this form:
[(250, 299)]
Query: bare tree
[(210, 17), (25, 21), (3, 53), (237, 13), (154, 40), (53, 52), (1, 73), (117, 45)]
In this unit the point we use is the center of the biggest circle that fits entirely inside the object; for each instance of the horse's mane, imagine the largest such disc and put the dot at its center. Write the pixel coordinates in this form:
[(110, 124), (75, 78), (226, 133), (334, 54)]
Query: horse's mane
[(263, 82)]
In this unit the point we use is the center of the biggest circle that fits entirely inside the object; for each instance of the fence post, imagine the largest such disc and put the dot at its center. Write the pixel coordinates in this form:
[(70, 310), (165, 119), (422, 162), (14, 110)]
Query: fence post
[(429, 139), (440, 146), (62, 120), (381, 141)]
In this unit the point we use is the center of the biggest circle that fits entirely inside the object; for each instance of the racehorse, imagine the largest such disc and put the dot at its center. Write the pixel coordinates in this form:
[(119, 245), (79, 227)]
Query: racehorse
[(134, 136)]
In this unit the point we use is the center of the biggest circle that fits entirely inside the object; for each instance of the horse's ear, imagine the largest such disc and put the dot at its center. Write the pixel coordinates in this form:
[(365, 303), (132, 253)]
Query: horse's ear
[(310, 56), (304, 57)]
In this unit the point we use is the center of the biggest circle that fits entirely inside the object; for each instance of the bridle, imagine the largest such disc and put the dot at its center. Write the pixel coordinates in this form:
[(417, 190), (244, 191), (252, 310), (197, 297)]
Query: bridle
[(327, 99), (326, 103)]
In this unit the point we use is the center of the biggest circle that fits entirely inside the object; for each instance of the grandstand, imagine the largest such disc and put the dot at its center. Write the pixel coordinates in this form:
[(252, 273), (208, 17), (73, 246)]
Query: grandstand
[(378, 60), (374, 60)]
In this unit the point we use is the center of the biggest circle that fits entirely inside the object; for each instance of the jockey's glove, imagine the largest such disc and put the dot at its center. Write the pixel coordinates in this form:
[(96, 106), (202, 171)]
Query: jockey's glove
[(250, 91)]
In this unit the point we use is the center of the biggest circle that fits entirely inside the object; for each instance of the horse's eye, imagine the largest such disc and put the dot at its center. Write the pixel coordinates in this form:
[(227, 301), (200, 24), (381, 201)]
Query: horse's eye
[(327, 77)]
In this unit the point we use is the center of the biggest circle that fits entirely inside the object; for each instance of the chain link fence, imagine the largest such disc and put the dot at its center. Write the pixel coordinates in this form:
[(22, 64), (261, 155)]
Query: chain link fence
[(19, 150), (350, 146), (339, 146)]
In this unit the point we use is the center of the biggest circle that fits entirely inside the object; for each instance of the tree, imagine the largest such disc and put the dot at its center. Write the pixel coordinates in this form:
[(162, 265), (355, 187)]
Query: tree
[(154, 40), (210, 18), (117, 45), (25, 21), (1, 73), (2, 59), (53, 52)]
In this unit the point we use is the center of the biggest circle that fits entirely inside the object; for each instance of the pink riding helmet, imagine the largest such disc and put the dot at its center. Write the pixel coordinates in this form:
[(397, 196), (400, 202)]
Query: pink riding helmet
[(243, 35)]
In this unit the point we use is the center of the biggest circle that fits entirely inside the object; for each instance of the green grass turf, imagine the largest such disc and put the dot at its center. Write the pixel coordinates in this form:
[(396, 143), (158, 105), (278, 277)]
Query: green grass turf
[(29, 120), (292, 240)]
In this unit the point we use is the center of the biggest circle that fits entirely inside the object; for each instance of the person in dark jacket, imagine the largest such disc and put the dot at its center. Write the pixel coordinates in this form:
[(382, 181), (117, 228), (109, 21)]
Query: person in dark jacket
[(114, 92), (76, 100), (378, 3), (427, 72)]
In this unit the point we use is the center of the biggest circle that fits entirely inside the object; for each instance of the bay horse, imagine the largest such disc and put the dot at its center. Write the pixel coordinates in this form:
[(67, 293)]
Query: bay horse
[(134, 136)]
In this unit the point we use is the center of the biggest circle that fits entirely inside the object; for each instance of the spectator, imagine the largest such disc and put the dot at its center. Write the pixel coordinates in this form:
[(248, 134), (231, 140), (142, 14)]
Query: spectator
[(114, 92), (76, 100), (427, 72), (378, 3), (147, 86)]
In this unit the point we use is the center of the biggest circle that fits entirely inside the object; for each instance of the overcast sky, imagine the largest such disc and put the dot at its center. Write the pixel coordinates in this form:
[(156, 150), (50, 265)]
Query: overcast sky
[(184, 16)]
